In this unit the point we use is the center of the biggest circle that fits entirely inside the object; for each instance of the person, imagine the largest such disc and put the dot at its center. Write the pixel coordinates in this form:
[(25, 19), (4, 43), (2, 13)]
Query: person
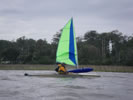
[(61, 69)]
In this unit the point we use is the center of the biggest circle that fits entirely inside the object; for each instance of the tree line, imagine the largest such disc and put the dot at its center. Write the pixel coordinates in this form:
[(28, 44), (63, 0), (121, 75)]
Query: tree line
[(107, 48)]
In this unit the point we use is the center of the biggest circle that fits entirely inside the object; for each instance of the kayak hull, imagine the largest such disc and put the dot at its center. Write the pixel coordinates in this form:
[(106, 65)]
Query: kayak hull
[(53, 74)]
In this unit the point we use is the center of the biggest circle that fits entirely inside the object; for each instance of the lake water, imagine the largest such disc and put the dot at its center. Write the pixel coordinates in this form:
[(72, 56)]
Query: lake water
[(110, 86)]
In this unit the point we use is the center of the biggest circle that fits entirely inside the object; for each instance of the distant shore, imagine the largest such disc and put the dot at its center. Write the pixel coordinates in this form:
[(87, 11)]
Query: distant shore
[(101, 68)]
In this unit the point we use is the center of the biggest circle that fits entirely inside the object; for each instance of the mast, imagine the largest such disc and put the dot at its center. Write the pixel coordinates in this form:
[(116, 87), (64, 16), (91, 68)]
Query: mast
[(77, 66), (77, 58)]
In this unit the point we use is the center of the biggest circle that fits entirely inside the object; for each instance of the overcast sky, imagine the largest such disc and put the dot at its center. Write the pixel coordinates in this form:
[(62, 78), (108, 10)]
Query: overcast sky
[(39, 19)]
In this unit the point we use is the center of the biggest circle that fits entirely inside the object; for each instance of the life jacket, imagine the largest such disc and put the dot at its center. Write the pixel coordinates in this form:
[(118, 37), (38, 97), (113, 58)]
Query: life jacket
[(62, 69)]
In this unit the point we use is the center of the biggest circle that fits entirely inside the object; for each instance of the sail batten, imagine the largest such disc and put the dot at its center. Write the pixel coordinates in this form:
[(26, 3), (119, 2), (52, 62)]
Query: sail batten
[(67, 51)]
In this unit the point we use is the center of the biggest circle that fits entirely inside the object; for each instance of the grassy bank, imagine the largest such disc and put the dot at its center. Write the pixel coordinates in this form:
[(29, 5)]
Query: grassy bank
[(52, 67)]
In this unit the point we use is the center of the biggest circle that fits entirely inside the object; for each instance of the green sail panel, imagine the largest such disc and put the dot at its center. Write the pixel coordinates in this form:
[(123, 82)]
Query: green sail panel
[(67, 49)]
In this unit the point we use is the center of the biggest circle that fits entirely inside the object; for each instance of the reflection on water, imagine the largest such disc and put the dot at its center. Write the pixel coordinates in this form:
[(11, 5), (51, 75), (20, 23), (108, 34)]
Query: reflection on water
[(110, 86)]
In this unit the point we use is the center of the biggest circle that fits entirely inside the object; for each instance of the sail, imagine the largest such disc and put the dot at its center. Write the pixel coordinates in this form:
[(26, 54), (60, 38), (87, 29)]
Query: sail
[(67, 49)]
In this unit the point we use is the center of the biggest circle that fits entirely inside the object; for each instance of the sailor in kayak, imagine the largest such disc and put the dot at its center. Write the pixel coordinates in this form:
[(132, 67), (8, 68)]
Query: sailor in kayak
[(61, 69)]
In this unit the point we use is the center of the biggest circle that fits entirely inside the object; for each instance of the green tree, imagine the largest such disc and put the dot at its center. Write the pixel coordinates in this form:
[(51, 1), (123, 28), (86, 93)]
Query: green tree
[(10, 54)]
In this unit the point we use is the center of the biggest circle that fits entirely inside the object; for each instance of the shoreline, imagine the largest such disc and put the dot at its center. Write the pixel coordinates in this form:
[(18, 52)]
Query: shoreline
[(97, 68)]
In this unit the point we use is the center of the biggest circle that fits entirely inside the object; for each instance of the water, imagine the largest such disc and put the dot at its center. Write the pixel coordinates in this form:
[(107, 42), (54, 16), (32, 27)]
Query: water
[(110, 86)]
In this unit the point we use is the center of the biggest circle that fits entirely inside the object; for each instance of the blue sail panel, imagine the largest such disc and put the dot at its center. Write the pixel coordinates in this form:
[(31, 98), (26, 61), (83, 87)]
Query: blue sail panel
[(71, 45)]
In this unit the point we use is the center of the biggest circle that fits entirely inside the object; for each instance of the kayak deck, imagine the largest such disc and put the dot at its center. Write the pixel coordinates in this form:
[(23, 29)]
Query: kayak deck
[(56, 75)]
